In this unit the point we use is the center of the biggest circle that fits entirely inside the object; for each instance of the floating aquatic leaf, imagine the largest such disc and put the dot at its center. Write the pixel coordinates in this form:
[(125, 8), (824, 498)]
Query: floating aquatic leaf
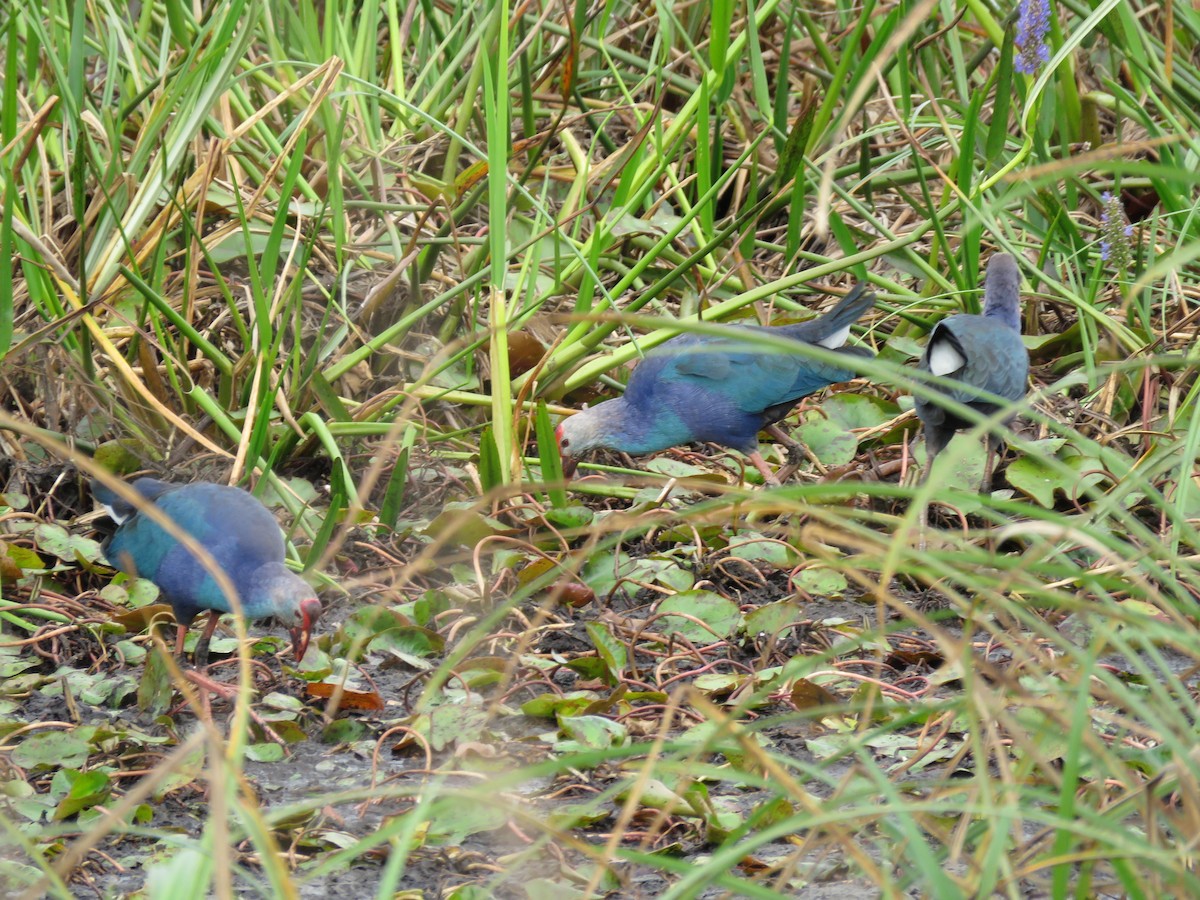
[(594, 732), (756, 547), (66, 546), (264, 753), (771, 618), (611, 650), (828, 440), (821, 582), (720, 614), (51, 749)]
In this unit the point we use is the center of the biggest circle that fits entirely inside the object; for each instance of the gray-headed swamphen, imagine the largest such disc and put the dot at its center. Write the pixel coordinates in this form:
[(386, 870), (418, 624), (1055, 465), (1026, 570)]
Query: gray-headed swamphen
[(702, 387), (983, 352), (239, 533)]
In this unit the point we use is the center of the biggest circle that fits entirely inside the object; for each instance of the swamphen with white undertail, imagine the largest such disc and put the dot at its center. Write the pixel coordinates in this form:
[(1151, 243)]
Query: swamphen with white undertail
[(703, 387), (239, 533), (984, 352)]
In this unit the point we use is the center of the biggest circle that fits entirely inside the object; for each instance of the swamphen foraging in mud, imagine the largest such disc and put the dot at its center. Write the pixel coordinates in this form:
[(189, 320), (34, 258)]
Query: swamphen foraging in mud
[(239, 533), (983, 352), (700, 387)]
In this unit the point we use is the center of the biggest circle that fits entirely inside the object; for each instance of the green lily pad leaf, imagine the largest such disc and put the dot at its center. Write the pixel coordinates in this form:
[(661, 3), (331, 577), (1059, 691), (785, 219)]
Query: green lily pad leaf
[(464, 527), (589, 667), (604, 573), (456, 373), (821, 582), (88, 790), (368, 622), (859, 410), (624, 223), (154, 690), (654, 794), (452, 723), (549, 889), (117, 458), (191, 867), (1034, 475), (454, 821), (1034, 478), (93, 688), (611, 650), (551, 706), (720, 613), (17, 875), (66, 546), (719, 684), (265, 752), (23, 557), (905, 348), (570, 516), (291, 732), (661, 570), (344, 731), (409, 642), (1047, 737), (676, 468), (594, 732), (771, 618), (959, 466), (133, 593), (832, 444), (51, 749), (280, 702), (755, 547), (10, 667), (574, 815)]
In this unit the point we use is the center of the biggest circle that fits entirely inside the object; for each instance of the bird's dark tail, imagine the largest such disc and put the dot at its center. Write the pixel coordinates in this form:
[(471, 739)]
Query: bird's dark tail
[(120, 509), (831, 329), (1002, 291)]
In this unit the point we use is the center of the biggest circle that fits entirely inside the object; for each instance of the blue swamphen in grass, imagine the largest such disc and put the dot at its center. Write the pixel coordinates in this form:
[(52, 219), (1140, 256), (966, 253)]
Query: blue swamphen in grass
[(239, 533), (702, 387), (984, 353)]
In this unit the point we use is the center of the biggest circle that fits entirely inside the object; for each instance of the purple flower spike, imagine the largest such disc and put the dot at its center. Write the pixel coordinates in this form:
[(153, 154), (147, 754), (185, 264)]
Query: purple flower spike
[(1033, 24), (1116, 246)]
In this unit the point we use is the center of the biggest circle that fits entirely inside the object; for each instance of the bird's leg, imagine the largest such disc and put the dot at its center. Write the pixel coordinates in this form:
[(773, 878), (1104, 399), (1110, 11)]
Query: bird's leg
[(992, 448), (784, 438), (201, 655), (180, 635), (228, 692), (761, 465), (795, 452), (932, 448)]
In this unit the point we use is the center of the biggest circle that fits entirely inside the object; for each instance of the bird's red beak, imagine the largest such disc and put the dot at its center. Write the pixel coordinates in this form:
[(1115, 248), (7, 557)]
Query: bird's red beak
[(569, 463), (310, 611)]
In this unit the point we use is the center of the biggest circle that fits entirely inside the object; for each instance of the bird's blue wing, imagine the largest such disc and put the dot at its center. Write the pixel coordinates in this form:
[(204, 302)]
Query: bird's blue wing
[(721, 388), (753, 378), (996, 360), (238, 532)]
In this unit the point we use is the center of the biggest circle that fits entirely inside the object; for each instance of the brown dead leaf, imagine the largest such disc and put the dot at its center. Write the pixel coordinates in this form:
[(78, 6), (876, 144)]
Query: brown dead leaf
[(807, 694), (350, 699), (135, 621)]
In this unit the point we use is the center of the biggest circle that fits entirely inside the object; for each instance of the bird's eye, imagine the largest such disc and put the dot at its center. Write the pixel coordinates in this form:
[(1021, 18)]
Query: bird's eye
[(565, 442)]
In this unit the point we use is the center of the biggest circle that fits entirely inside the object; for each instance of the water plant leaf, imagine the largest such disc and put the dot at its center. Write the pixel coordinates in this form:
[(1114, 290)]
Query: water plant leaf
[(828, 440), (51, 749), (720, 614)]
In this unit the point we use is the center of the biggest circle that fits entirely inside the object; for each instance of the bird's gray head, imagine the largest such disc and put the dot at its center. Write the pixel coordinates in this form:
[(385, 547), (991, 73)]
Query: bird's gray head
[(292, 602), (577, 434)]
